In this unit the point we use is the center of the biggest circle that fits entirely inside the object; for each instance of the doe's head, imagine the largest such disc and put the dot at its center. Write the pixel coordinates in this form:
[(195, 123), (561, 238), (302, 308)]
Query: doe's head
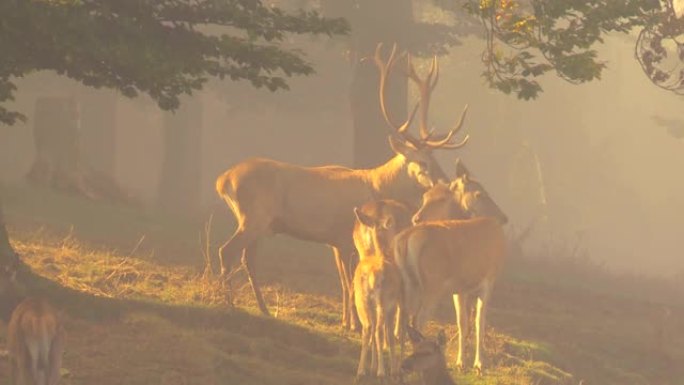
[(462, 198)]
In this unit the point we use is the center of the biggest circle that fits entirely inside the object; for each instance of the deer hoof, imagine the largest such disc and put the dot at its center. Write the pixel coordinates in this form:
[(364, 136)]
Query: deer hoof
[(478, 370)]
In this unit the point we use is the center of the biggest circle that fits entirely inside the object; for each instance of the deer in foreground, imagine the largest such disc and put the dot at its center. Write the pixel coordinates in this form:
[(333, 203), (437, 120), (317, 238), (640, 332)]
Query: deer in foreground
[(428, 358), (35, 337), (461, 257), (316, 203), (377, 282)]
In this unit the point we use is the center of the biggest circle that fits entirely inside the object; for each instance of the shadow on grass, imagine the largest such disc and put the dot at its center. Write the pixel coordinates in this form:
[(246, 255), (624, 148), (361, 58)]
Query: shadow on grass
[(98, 309)]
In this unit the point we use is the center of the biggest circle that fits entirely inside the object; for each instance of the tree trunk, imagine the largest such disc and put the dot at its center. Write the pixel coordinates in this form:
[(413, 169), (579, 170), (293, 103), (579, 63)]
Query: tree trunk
[(179, 186), (56, 135), (371, 147), (98, 117), (7, 255), (59, 163)]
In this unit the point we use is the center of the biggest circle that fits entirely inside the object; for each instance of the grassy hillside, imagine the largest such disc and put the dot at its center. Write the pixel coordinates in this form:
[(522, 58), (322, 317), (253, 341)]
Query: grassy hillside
[(141, 309)]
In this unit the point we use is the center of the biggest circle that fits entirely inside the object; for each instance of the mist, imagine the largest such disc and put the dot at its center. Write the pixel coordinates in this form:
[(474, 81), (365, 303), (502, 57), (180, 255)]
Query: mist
[(588, 164)]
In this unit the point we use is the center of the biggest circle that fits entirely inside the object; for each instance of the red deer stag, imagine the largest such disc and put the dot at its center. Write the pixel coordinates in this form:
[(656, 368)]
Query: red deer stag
[(316, 203), (458, 256), (377, 282), (35, 337)]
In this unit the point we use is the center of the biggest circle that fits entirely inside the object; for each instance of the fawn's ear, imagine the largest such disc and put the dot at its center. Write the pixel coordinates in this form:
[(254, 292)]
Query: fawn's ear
[(388, 223), (414, 335), (363, 218), (441, 338)]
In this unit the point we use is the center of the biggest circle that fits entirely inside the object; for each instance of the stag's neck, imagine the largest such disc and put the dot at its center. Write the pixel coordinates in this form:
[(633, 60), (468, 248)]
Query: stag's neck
[(437, 377), (391, 180)]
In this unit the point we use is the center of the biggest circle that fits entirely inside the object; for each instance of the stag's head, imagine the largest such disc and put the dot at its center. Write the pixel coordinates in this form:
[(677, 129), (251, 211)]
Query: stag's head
[(378, 222), (417, 151), (463, 198), (427, 354)]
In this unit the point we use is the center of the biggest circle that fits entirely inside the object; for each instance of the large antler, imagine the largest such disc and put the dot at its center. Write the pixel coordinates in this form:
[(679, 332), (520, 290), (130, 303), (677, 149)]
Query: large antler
[(425, 88), (385, 68)]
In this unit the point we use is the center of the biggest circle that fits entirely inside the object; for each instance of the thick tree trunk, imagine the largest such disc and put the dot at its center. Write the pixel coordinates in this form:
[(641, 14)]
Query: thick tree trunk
[(180, 183), (56, 134), (370, 129), (59, 163), (7, 255), (98, 117), (371, 147)]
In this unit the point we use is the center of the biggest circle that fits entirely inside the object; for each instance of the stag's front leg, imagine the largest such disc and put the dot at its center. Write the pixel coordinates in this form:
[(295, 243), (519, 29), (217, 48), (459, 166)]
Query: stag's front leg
[(247, 256)]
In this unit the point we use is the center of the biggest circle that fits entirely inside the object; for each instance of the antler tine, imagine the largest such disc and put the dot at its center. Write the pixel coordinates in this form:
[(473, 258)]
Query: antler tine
[(384, 69), (444, 142), (435, 65), (405, 126), (425, 87)]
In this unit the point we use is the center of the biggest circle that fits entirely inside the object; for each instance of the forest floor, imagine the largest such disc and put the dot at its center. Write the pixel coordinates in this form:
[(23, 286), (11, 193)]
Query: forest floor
[(142, 308)]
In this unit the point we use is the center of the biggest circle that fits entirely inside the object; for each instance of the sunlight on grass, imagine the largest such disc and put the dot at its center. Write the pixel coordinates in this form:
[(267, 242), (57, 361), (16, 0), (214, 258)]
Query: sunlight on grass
[(551, 322)]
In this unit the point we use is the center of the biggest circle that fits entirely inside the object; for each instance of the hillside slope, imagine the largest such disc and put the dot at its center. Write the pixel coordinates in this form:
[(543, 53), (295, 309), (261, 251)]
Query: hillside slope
[(142, 311)]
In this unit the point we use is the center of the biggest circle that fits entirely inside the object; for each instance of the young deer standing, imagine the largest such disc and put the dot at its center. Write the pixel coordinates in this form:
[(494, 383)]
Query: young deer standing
[(458, 257), (428, 358), (35, 336), (377, 282), (315, 203)]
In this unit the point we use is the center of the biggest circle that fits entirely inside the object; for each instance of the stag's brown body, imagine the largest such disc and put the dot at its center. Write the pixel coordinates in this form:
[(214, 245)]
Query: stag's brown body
[(377, 282), (310, 203), (316, 203)]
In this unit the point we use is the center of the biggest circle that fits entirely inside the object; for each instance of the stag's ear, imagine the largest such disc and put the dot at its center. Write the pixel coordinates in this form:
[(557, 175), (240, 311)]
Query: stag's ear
[(401, 147), (363, 218), (441, 339)]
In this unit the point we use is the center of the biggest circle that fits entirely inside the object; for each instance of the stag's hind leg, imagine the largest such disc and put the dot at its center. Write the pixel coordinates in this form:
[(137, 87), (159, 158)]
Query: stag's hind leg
[(243, 242), (247, 256)]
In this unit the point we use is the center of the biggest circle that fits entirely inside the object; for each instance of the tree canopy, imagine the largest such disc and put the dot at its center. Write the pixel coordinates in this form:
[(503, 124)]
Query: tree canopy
[(164, 48), (528, 38)]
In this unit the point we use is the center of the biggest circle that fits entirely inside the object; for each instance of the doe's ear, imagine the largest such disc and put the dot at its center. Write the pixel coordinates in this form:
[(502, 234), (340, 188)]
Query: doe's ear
[(401, 147), (460, 168), (363, 218), (453, 185)]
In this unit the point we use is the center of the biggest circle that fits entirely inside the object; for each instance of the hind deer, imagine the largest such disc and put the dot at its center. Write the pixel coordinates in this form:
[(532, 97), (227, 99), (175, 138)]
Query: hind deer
[(428, 358), (316, 203), (35, 337), (462, 257), (377, 282)]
